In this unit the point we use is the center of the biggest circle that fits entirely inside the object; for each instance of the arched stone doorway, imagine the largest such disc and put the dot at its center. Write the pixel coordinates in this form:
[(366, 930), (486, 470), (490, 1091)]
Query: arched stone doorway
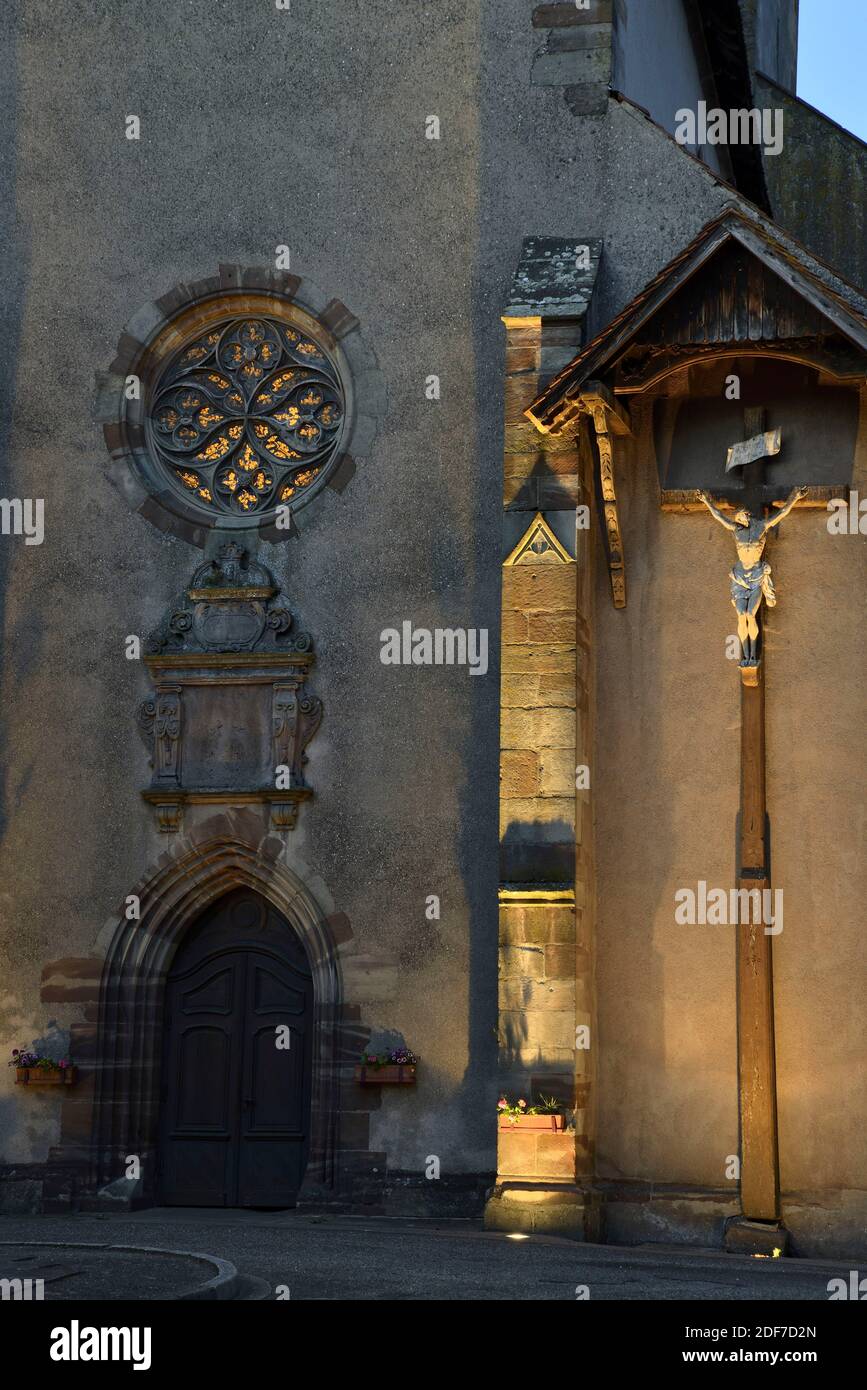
[(180, 905), (234, 1126)]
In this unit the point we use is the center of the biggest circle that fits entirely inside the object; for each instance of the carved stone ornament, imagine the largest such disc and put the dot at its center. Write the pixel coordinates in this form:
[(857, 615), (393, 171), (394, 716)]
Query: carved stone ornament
[(246, 415), (231, 405), (230, 717)]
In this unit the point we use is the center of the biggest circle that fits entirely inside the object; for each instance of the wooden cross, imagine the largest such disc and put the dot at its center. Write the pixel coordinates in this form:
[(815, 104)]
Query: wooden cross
[(750, 454), (757, 1088), (757, 1079)]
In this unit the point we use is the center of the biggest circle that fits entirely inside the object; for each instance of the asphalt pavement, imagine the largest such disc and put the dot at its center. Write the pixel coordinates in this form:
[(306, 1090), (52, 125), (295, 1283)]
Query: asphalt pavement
[(297, 1256)]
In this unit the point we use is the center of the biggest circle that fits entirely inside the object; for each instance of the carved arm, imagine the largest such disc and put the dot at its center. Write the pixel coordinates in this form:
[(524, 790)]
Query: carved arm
[(794, 496), (716, 513)]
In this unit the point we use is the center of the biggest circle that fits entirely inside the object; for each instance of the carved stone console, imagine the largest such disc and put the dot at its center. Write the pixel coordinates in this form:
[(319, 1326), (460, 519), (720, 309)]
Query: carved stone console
[(229, 717)]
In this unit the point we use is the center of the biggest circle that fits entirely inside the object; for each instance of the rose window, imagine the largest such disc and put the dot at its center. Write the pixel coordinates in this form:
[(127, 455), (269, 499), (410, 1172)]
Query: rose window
[(247, 416)]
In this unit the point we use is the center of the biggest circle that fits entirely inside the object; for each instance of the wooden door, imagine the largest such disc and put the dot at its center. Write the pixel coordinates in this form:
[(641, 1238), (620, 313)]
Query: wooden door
[(236, 1067)]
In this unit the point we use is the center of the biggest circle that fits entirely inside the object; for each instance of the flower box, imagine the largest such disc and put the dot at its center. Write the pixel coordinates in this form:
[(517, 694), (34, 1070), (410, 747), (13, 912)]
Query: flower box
[(385, 1076), (46, 1076), (555, 1123)]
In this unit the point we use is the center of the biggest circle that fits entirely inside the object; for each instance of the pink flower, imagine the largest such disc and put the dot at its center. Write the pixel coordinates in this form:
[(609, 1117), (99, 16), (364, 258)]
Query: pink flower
[(522, 1105), (502, 1103)]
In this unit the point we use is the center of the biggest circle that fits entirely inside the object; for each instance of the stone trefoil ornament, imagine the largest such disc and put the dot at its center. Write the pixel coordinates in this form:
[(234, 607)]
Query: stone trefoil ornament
[(751, 580)]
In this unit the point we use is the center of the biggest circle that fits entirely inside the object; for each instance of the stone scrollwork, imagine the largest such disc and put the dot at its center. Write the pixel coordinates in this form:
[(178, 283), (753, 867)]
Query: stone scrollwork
[(230, 716), (310, 717), (227, 608), (160, 721)]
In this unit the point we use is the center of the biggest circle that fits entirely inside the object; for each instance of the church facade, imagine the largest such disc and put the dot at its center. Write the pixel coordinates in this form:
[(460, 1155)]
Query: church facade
[(433, 680)]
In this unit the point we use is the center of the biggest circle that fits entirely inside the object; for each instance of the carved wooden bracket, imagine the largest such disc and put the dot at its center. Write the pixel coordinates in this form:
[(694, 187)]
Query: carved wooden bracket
[(609, 418), (230, 717)]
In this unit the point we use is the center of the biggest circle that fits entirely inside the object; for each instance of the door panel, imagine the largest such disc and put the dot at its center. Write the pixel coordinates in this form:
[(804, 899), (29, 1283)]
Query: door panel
[(236, 1106), (274, 991), (213, 996), (202, 1073), (273, 1149), (276, 1086), (203, 1053)]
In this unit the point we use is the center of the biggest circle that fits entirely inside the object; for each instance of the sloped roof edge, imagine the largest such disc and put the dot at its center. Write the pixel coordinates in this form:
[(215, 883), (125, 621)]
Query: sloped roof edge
[(815, 110), (832, 296)]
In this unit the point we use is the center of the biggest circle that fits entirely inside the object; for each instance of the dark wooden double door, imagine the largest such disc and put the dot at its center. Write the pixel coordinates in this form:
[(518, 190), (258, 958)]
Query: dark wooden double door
[(235, 1114)]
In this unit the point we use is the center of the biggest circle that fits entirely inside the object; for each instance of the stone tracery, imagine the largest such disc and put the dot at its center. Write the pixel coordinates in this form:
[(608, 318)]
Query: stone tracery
[(246, 415)]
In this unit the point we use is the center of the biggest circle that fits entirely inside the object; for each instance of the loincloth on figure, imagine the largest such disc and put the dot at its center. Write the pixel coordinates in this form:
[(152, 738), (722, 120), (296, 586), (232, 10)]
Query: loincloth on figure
[(750, 585)]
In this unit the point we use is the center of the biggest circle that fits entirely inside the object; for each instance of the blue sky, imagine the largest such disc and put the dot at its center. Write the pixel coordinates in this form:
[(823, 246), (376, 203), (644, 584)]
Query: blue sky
[(832, 60)]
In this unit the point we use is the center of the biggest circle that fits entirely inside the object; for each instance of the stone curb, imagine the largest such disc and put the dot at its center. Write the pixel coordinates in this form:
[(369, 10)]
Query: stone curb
[(225, 1285)]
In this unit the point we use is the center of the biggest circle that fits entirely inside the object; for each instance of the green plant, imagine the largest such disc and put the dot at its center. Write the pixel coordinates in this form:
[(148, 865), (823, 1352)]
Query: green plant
[(514, 1112), (396, 1057), (548, 1105), (21, 1057)]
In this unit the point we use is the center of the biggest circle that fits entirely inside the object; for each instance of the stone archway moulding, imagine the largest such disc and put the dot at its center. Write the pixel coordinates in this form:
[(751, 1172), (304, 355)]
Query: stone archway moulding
[(138, 958), (157, 329)]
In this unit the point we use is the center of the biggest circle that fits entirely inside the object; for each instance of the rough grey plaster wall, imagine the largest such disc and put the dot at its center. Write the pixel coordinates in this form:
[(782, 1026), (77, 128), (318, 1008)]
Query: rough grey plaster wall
[(771, 33), (260, 128), (818, 183), (655, 64)]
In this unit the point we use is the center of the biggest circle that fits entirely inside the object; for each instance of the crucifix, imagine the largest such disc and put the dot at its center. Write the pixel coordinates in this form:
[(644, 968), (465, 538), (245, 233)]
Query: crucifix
[(751, 584), (751, 576)]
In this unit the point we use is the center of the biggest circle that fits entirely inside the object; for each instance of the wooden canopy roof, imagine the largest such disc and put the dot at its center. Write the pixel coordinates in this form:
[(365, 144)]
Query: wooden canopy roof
[(740, 284)]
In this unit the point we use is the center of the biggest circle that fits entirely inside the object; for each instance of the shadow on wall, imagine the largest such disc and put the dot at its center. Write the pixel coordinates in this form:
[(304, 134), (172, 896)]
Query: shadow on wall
[(538, 852), (478, 796), (14, 267)]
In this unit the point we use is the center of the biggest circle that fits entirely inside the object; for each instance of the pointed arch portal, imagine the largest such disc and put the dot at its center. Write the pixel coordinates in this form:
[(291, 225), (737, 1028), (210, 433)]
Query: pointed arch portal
[(228, 946)]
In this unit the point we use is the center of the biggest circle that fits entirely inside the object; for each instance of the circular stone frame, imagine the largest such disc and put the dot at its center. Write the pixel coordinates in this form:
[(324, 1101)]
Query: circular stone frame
[(159, 330)]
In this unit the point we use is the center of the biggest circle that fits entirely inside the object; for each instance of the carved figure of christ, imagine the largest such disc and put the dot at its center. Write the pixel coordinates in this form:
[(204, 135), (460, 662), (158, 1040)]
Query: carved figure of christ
[(751, 576)]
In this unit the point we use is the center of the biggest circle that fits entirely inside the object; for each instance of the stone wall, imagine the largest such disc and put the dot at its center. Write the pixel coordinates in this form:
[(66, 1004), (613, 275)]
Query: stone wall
[(280, 134)]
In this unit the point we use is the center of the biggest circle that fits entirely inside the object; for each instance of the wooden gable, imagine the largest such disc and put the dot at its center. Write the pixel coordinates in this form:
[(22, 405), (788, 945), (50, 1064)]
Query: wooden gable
[(734, 301), (740, 287)]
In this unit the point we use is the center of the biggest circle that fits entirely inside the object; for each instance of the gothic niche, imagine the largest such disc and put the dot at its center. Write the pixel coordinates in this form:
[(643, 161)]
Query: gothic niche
[(230, 717)]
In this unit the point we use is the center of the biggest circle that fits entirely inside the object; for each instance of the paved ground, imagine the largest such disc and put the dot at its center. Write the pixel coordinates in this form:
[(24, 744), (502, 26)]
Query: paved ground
[(357, 1258), (75, 1272)]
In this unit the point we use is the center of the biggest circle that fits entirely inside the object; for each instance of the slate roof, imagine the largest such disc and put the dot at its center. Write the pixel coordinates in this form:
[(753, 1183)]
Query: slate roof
[(548, 281)]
